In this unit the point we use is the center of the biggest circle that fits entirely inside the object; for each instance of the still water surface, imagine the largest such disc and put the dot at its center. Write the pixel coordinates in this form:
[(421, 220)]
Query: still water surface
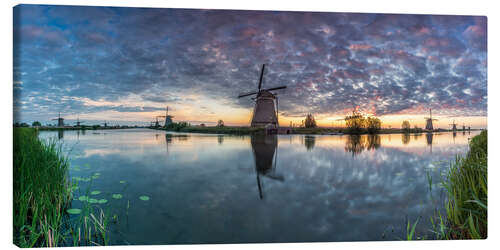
[(286, 188)]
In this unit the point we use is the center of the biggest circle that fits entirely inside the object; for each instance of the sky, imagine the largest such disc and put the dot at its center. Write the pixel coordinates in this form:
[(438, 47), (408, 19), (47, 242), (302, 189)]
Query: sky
[(125, 65)]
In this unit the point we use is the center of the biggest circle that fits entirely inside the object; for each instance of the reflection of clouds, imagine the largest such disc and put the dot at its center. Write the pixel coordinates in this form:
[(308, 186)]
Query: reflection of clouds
[(327, 195)]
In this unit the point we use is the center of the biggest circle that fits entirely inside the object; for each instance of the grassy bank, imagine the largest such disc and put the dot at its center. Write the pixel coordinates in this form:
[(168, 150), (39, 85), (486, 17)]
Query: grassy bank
[(41, 190), (42, 198), (467, 187)]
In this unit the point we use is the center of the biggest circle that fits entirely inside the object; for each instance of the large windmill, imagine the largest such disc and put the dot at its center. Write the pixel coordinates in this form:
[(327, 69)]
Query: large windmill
[(266, 104), (60, 120), (428, 121)]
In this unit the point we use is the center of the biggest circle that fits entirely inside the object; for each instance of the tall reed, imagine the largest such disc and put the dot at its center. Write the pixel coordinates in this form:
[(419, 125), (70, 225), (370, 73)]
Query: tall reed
[(41, 190), (467, 187)]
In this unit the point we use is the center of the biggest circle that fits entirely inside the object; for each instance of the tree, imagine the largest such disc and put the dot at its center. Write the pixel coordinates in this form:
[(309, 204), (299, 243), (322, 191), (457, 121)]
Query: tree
[(310, 122), (355, 122), (373, 125), (406, 126), (36, 124), (220, 123)]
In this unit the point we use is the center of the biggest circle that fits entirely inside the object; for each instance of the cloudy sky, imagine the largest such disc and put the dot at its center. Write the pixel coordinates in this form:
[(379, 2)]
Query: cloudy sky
[(126, 64)]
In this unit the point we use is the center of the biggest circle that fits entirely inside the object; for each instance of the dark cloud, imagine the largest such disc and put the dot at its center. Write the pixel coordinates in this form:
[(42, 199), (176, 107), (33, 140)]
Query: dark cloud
[(329, 61)]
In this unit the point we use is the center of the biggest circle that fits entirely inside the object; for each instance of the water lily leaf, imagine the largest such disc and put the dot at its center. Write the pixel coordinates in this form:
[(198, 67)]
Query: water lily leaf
[(76, 178), (144, 198), (96, 192), (95, 177), (83, 198), (92, 200), (97, 174), (122, 182), (102, 201), (74, 211), (117, 196)]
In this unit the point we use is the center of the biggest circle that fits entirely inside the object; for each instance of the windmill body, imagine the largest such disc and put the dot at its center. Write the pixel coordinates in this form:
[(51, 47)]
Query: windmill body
[(168, 119), (266, 103), (428, 121), (60, 120)]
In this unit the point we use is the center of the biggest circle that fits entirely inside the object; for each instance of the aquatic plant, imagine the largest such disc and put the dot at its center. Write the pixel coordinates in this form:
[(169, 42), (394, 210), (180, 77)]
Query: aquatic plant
[(42, 190), (144, 197), (467, 187), (42, 196)]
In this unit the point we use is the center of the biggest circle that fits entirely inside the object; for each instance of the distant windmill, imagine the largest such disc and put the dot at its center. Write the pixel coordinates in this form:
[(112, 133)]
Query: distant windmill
[(105, 124), (266, 104), (60, 120), (78, 122), (453, 126), (428, 121), (463, 127), (168, 118)]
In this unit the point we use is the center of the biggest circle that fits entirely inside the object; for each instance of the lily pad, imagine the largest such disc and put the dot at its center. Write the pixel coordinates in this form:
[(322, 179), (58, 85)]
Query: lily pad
[(96, 192), (102, 201), (74, 211), (144, 198), (117, 196), (92, 200), (95, 176), (122, 182), (83, 198)]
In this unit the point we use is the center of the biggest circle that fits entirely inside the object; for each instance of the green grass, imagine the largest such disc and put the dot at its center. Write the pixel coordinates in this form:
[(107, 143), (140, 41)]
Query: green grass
[(41, 190), (467, 187), (42, 198)]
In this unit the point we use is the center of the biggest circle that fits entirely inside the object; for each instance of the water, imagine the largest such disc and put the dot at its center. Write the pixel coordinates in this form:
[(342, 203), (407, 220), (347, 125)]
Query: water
[(287, 188)]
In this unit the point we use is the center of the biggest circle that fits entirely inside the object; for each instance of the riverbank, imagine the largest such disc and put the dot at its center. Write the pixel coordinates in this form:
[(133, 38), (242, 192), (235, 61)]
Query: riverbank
[(467, 187), (80, 128), (42, 196)]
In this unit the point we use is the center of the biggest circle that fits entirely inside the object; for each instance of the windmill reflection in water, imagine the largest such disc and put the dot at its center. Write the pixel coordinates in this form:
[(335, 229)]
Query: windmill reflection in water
[(265, 155)]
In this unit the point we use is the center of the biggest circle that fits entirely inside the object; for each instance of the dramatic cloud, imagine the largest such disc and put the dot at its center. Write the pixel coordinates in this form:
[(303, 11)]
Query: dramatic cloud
[(331, 62)]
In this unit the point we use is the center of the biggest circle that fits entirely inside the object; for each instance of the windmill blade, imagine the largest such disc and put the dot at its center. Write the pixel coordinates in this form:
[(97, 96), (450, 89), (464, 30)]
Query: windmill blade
[(247, 94), (261, 76), (276, 88)]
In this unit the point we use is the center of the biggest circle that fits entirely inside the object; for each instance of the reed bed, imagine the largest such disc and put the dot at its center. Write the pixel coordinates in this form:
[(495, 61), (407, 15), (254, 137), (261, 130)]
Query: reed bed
[(43, 194), (467, 187)]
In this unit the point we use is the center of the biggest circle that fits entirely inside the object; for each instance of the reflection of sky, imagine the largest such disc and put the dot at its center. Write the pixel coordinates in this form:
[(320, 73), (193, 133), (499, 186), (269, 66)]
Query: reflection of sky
[(203, 188)]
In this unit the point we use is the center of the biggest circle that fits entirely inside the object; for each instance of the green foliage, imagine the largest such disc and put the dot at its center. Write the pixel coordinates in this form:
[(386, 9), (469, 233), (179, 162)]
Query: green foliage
[(406, 126), (42, 196), (373, 125), (466, 185), (177, 126), (309, 122), (220, 123), (355, 123), (41, 190), (36, 124)]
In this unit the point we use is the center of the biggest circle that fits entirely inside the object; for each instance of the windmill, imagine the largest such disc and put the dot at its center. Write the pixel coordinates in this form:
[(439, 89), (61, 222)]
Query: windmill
[(453, 126), (78, 122), (428, 121), (60, 120), (157, 122), (266, 105), (463, 127), (168, 118), (105, 124)]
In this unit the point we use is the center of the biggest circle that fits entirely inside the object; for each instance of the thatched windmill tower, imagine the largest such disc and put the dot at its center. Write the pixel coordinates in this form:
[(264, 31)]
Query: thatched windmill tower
[(266, 104), (428, 121)]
